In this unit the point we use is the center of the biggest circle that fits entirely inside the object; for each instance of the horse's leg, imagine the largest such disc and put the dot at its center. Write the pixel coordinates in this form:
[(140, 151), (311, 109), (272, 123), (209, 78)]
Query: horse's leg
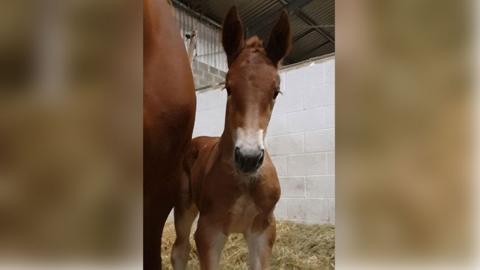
[(184, 218), (210, 241), (154, 221), (185, 213), (260, 244), (158, 202)]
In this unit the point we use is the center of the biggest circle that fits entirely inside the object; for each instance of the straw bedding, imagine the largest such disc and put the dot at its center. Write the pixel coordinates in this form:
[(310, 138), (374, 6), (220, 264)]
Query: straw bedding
[(298, 246)]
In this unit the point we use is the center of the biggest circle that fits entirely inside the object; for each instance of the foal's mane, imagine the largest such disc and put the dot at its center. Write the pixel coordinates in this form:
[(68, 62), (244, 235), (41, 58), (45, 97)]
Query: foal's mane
[(255, 44)]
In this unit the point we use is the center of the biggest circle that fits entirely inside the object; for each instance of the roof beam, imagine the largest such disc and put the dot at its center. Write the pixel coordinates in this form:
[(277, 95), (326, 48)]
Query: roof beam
[(294, 5), (304, 17), (302, 35), (307, 53), (316, 48), (311, 22), (259, 22)]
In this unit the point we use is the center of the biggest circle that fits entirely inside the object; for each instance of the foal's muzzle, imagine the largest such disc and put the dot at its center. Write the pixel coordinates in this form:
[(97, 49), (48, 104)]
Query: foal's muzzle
[(248, 162)]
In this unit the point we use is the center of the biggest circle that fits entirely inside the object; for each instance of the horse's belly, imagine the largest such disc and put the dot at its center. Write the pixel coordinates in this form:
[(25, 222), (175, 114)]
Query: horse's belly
[(242, 214)]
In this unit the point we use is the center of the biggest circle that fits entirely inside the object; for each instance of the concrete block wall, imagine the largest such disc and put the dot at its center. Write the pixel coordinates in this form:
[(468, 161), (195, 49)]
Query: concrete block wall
[(300, 138), (205, 75)]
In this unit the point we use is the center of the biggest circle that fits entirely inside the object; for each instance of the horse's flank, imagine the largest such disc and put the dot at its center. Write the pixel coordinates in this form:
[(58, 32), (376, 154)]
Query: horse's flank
[(169, 112)]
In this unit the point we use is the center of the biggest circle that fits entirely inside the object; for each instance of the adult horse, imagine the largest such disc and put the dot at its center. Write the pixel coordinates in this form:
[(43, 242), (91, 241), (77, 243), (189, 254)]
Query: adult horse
[(168, 117), (231, 180)]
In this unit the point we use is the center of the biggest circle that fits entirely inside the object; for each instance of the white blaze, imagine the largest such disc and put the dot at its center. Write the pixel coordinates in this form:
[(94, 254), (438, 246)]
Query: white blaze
[(249, 140)]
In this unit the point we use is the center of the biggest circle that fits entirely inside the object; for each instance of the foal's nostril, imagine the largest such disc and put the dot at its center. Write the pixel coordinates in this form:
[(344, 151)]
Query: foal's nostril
[(238, 155), (260, 157), (248, 162)]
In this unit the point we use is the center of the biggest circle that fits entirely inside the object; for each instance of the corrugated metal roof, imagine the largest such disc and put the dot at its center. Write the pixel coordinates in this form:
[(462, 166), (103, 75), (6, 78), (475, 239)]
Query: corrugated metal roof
[(312, 21)]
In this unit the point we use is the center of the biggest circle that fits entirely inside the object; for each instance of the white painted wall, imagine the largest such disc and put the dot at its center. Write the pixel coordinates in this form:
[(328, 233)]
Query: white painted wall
[(300, 138)]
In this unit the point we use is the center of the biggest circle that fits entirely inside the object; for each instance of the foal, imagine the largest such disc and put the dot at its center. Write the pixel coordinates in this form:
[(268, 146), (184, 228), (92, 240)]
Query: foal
[(231, 180)]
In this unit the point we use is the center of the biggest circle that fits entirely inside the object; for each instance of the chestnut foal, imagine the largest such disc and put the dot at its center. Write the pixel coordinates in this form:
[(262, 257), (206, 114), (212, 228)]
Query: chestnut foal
[(231, 180)]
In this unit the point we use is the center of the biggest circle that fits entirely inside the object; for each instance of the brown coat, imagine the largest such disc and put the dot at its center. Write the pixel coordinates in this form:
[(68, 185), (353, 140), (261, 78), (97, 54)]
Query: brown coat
[(168, 117)]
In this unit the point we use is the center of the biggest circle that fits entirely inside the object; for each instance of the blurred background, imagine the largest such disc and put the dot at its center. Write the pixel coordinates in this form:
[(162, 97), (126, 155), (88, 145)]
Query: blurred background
[(70, 130), (404, 107)]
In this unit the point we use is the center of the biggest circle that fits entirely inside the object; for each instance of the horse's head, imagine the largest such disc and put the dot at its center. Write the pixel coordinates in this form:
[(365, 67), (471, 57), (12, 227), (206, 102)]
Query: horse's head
[(252, 84)]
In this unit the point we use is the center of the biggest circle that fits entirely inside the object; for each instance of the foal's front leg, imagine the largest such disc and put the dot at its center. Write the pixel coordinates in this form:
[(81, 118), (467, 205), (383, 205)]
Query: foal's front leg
[(260, 243), (210, 241)]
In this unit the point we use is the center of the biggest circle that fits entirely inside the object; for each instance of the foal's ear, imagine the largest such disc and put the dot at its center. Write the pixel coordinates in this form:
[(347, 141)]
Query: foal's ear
[(279, 42), (232, 34)]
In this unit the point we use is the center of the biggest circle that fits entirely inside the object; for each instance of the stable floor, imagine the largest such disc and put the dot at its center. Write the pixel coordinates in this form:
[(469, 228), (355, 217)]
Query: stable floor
[(298, 246)]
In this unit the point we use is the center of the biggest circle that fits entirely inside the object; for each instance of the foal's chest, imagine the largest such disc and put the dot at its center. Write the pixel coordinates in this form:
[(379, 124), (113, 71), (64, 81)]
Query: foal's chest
[(242, 214)]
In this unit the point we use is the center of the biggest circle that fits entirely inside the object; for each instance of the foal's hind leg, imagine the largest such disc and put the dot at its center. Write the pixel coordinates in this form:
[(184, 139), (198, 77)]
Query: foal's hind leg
[(185, 212), (184, 218)]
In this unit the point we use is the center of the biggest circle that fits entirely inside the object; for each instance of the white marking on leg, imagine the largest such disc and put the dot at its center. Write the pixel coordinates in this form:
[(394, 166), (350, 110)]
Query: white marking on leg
[(210, 242), (218, 242), (257, 245)]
